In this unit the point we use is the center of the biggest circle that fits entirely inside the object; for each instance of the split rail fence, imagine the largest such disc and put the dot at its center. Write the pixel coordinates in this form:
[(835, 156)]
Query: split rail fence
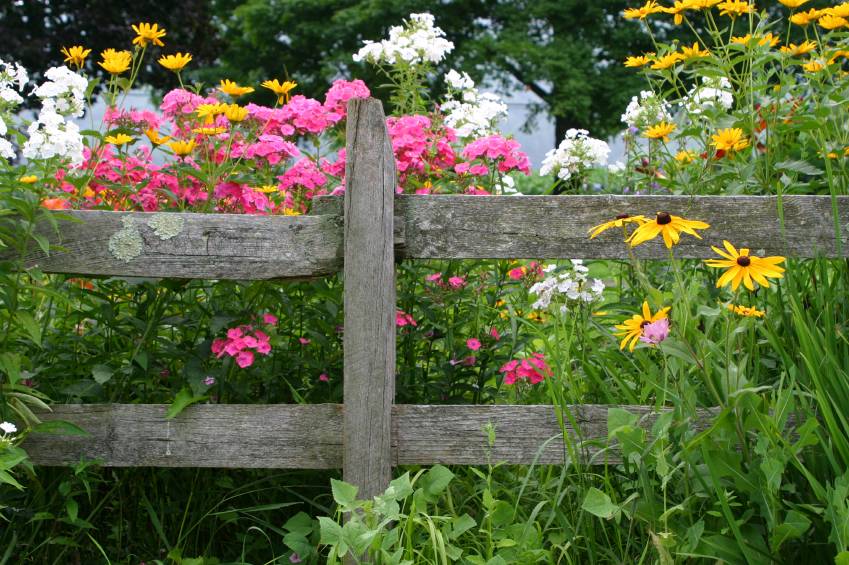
[(363, 236)]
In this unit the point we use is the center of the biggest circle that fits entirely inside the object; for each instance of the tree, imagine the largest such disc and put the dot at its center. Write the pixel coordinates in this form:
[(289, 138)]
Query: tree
[(34, 31), (568, 52)]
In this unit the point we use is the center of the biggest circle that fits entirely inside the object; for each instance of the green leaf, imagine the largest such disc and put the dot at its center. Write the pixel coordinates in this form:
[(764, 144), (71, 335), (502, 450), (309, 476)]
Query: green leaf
[(794, 526), (436, 480), (343, 493), (73, 509), (10, 363), (331, 532), (183, 399), (802, 167), (599, 504), (31, 327), (101, 373), (60, 427)]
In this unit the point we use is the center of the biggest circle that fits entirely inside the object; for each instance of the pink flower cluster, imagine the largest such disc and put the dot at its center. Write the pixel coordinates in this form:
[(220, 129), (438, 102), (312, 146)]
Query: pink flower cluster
[(453, 283), (241, 340), (336, 99), (301, 183), (532, 271), (272, 148), (134, 119), (307, 115), (420, 149), (403, 319), (506, 154), (533, 370)]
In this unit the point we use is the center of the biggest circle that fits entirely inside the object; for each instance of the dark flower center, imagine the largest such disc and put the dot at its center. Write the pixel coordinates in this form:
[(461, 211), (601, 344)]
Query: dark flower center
[(744, 261), (623, 216), (663, 218), (644, 323)]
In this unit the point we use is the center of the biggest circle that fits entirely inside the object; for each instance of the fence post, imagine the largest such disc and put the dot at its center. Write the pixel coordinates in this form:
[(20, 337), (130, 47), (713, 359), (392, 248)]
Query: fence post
[(369, 277)]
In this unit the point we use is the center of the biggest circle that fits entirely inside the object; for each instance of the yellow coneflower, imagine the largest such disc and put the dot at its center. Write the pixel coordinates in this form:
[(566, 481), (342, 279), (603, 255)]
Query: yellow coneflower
[(118, 140), (813, 66), (115, 62), (669, 227), (75, 55), (637, 61), (175, 62), (747, 311), (678, 9), (768, 38), (693, 52), (667, 61), (735, 8), (685, 156), (793, 4), (182, 148), (209, 130), (644, 11), (632, 328), (804, 18), (207, 112), (266, 188), (729, 139), (743, 267), (830, 22), (836, 55), (28, 179), (155, 138), (231, 88), (291, 212), (619, 222), (146, 32), (280, 89), (660, 131), (841, 10), (235, 113), (802, 49)]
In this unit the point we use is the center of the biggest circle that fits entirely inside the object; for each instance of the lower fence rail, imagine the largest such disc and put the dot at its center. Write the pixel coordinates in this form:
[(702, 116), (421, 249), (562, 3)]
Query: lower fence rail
[(310, 436)]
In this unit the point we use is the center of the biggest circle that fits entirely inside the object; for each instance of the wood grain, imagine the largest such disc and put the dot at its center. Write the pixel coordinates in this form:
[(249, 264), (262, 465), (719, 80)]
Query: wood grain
[(369, 299), (208, 246), (310, 436)]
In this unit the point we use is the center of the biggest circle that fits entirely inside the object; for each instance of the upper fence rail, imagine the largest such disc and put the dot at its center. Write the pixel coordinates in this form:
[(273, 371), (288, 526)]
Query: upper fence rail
[(250, 247)]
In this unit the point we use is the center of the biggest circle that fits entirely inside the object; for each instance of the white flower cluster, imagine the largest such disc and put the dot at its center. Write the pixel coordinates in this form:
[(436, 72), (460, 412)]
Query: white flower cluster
[(576, 153), (645, 110), (8, 428), (63, 92), (469, 112), (51, 135), (418, 41), (13, 78), (574, 285), (712, 93)]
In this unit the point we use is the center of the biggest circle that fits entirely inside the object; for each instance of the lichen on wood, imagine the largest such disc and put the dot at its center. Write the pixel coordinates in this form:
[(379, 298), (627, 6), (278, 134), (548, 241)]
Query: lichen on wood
[(126, 243)]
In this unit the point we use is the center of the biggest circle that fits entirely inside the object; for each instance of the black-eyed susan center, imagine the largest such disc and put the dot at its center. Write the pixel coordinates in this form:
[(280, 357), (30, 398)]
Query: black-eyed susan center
[(744, 261), (663, 218)]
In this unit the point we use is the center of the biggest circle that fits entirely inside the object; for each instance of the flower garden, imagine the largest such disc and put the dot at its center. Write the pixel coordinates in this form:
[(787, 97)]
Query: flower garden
[(736, 354)]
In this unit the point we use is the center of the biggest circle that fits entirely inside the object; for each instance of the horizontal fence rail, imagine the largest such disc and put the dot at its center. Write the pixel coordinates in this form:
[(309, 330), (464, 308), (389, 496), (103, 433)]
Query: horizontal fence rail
[(309, 436), (191, 246), (249, 247)]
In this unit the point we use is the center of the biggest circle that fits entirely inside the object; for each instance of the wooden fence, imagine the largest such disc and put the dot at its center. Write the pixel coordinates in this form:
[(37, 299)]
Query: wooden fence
[(368, 434)]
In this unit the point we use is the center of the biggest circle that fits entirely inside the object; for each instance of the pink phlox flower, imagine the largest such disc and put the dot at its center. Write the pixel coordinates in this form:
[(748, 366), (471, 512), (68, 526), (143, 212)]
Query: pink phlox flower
[(533, 369), (335, 168), (435, 277), (419, 148), (270, 120), (179, 102), (139, 120), (303, 174), (245, 359), (304, 341), (272, 148), (269, 319), (506, 154), (476, 191), (655, 332), (308, 115), (494, 333), (456, 283), (473, 343), (324, 378), (403, 319), (209, 381), (341, 91)]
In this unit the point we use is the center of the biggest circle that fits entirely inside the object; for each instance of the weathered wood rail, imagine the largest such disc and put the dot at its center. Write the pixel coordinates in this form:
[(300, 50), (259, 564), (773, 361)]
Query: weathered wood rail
[(363, 236)]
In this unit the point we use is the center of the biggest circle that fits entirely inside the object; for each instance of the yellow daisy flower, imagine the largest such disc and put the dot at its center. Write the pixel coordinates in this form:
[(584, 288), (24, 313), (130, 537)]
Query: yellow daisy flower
[(75, 55), (802, 49), (685, 156), (660, 131), (638, 61), (618, 222), (146, 32), (678, 9), (747, 311), (729, 139), (182, 148), (830, 22), (231, 88), (209, 130), (118, 140), (804, 18), (115, 62), (155, 137), (693, 52), (266, 188), (175, 62), (669, 227), (793, 4), (632, 328), (813, 66), (28, 179), (208, 111), (735, 8), (667, 61), (280, 89), (644, 11), (744, 268), (235, 113)]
